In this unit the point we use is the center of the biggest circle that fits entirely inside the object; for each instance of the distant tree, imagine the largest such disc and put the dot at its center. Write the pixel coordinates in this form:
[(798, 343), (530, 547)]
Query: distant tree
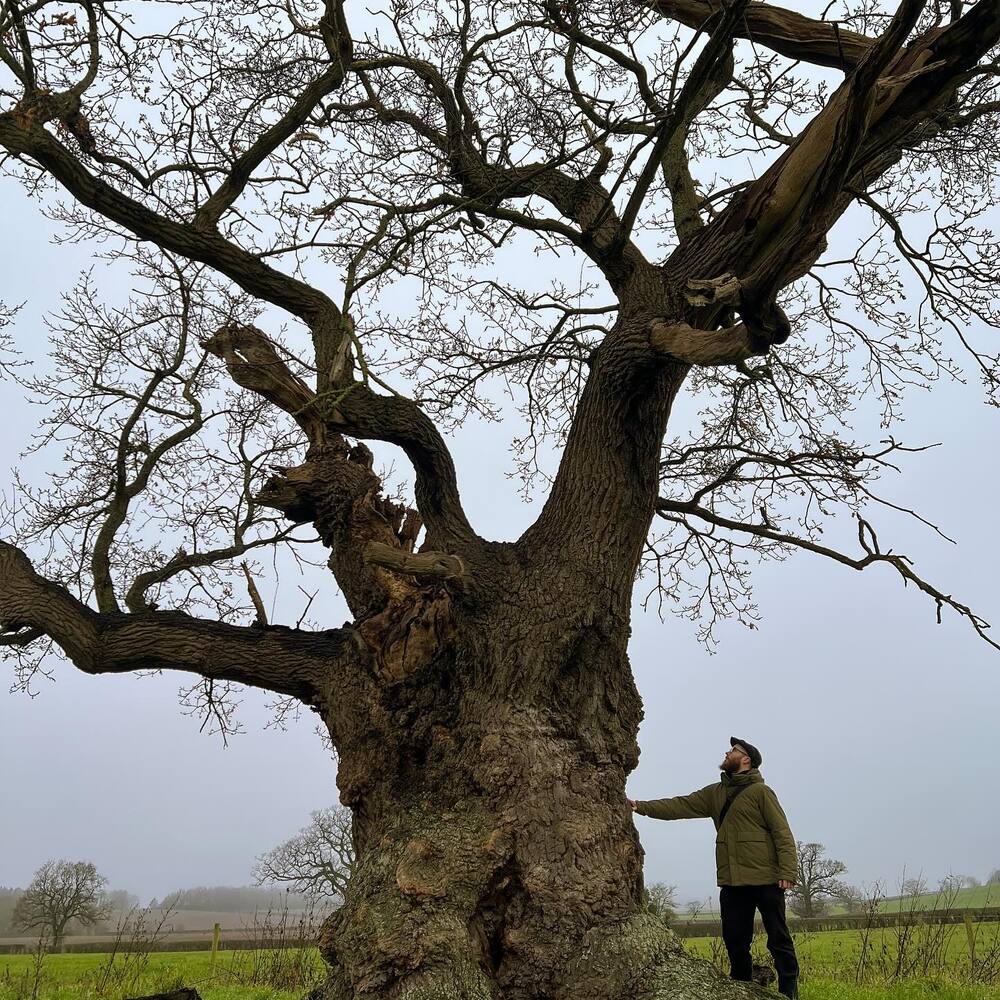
[(318, 861), (970, 882), (951, 885), (693, 908), (120, 900), (994, 878), (817, 881), (61, 891), (851, 898), (8, 900), (915, 886), (661, 900)]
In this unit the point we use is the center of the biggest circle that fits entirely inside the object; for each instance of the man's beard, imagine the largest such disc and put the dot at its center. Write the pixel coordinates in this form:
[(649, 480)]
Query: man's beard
[(730, 766)]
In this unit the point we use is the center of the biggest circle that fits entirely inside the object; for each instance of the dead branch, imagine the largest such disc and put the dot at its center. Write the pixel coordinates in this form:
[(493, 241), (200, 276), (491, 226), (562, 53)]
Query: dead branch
[(424, 565)]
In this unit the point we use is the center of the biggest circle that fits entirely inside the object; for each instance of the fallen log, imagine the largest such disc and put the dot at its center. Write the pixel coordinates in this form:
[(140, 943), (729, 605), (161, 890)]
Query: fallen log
[(184, 993)]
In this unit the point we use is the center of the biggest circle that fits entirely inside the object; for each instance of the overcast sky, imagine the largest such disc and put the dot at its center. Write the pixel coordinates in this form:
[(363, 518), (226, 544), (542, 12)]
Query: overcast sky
[(878, 727)]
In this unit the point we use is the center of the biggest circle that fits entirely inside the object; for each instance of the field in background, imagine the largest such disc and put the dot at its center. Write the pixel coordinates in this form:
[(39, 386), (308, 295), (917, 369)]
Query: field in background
[(976, 898), (961, 899), (916, 956), (905, 962), (175, 925)]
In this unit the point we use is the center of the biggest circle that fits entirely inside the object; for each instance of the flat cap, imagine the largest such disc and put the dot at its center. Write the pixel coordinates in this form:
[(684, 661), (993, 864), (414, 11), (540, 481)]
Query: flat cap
[(752, 752)]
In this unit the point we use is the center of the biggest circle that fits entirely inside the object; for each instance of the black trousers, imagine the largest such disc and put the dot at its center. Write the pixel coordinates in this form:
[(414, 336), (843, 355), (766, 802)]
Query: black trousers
[(737, 904)]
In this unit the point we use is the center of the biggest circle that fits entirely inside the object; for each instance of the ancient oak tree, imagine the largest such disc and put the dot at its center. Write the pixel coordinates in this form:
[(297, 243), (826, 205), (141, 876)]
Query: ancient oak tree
[(348, 227)]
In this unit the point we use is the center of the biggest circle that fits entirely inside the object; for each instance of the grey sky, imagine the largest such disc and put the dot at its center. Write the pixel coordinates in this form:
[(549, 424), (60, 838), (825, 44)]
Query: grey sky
[(878, 727)]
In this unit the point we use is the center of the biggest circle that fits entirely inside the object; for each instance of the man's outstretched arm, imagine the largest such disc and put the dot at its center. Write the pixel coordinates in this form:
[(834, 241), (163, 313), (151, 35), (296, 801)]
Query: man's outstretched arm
[(697, 805)]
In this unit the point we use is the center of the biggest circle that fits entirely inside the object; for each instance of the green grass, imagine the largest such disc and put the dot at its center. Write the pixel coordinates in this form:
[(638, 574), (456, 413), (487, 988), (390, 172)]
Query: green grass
[(935, 962), (835, 952), (237, 975), (828, 959), (927, 989)]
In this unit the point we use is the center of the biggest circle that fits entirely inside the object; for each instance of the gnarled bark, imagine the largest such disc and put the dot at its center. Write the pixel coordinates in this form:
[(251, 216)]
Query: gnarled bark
[(496, 852)]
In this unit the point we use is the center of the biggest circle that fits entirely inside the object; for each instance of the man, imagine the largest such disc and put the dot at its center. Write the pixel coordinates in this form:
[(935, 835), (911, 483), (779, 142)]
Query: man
[(754, 856)]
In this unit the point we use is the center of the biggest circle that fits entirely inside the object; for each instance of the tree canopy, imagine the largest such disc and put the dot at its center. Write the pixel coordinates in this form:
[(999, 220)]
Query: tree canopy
[(360, 184)]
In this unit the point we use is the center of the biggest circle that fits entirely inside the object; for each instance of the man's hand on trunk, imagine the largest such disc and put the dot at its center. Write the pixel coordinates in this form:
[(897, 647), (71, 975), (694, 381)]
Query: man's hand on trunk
[(783, 883)]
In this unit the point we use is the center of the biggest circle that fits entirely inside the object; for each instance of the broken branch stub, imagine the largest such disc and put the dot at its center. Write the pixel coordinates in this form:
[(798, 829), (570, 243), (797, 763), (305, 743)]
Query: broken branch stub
[(705, 347), (423, 565)]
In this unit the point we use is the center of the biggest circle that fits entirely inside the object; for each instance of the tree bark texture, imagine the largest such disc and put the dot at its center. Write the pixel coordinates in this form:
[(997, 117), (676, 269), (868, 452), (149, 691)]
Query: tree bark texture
[(496, 852), (497, 856)]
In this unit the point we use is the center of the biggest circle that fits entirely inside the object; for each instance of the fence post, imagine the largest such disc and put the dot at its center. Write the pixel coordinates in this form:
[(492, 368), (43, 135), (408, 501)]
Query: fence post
[(971, 935), (215, 945)]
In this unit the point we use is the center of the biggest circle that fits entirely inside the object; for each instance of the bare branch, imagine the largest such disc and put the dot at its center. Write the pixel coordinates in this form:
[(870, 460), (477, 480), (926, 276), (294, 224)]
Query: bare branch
[(775, 228), (26, 137), (719, 45), (355, 409), (258, 604), (283, 660), (868, 542), (337, 37)]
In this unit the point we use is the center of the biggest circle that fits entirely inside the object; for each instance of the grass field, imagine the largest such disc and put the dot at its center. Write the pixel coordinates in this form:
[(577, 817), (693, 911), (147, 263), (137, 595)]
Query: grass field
[(944, 948), (830, 963), (892, 963), (237, 975), (961, 899)]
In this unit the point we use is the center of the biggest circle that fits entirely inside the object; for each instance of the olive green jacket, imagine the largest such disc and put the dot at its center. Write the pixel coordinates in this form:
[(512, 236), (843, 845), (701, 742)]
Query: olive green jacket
[(754, 846)]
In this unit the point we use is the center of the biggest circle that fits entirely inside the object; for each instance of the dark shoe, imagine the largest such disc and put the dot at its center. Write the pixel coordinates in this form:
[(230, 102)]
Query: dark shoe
[(789, 986)]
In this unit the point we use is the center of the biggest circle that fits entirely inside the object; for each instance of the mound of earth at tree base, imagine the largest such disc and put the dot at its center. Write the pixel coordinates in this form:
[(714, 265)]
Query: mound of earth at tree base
[(641, 960)]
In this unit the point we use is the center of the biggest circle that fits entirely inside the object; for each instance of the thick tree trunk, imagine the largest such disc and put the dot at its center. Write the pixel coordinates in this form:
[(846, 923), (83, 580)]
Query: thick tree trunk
[(497, 857)]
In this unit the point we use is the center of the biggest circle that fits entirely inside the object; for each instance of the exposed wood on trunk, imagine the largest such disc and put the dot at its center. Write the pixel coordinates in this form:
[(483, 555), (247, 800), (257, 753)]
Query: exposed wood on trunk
[(254, 363), (787, 32), (347, 407), (423, 565), (774, 230), (706, 347)]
